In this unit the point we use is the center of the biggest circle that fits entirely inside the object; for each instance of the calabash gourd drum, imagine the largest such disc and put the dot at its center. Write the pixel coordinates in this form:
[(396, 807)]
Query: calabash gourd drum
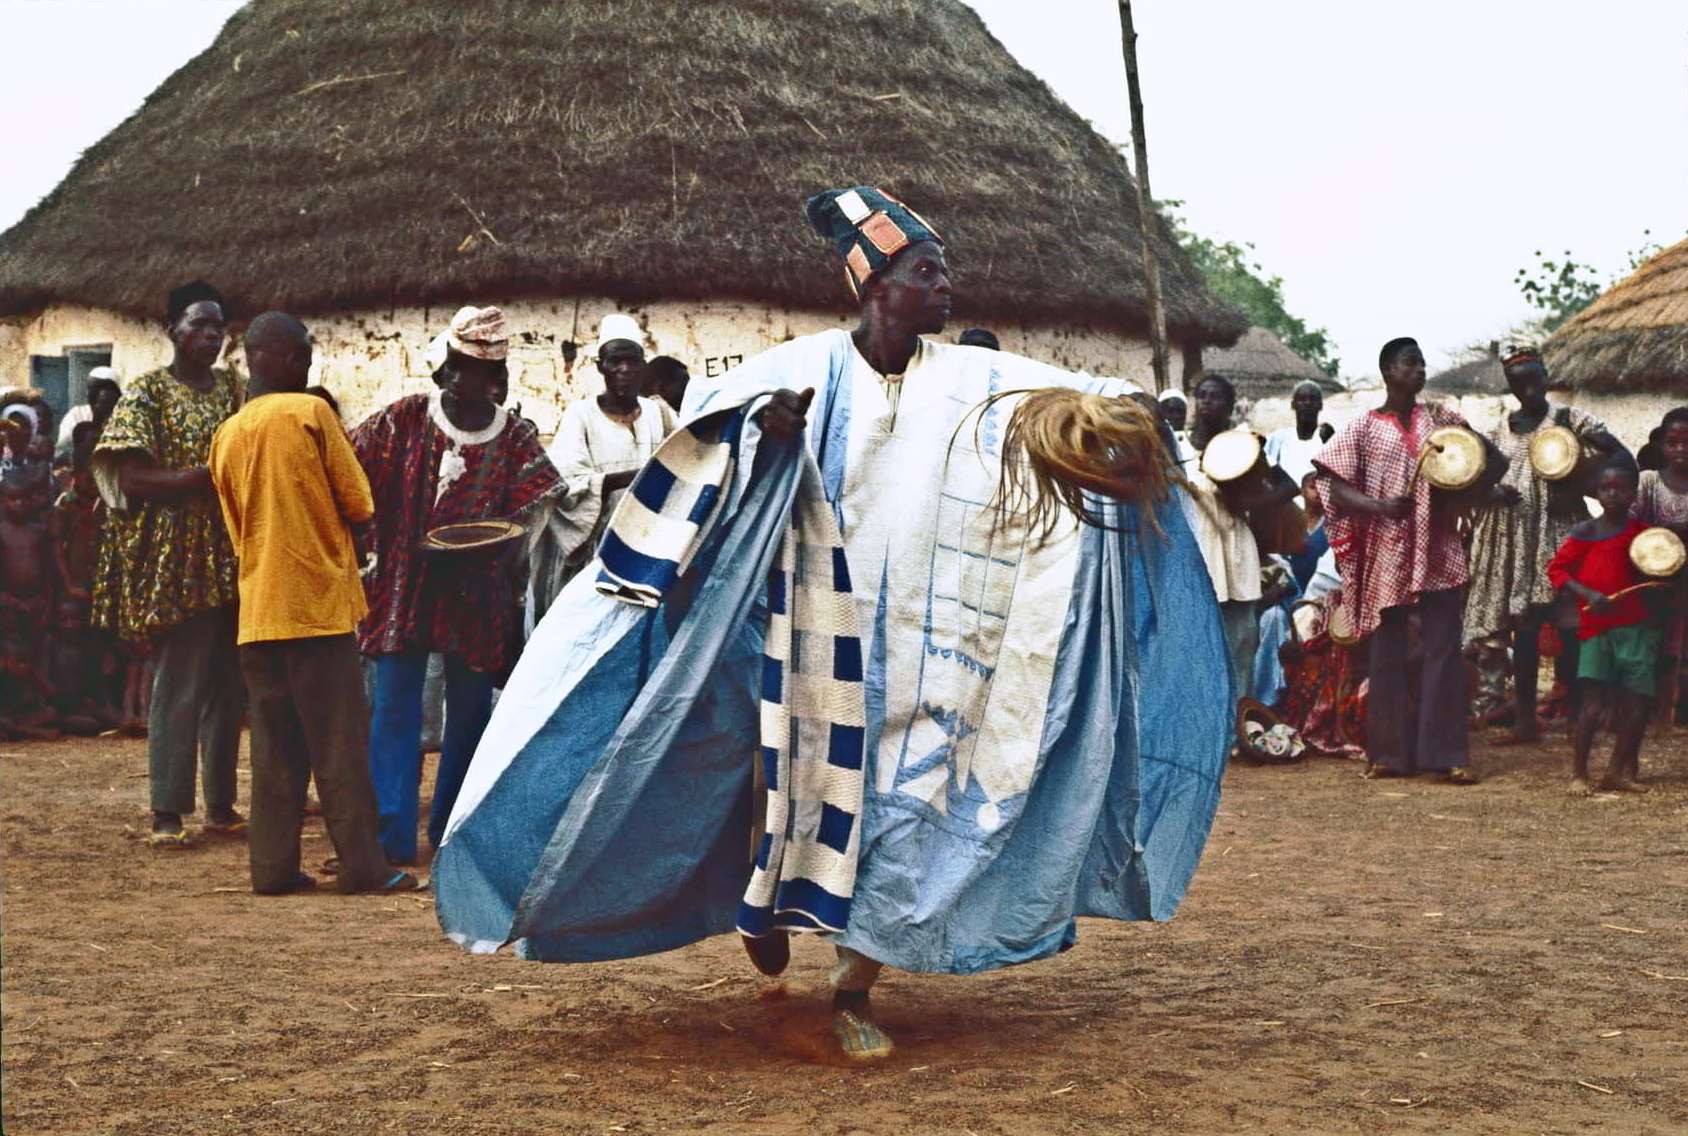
[(1658, 552), (1235, 461), (1452, 459), (1557, 454)]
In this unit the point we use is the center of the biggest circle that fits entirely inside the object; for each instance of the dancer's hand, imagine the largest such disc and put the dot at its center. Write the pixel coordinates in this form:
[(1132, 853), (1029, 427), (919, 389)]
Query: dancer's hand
[(786, 416)]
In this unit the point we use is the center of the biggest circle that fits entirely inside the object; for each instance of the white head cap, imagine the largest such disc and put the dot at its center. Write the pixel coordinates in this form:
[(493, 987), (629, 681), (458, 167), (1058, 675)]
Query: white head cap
[(1173, 394), (617, 326), (103, 373)]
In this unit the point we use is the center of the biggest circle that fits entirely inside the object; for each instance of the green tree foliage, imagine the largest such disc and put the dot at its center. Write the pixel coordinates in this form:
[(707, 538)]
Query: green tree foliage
[(1559, 289), (1233, 274)]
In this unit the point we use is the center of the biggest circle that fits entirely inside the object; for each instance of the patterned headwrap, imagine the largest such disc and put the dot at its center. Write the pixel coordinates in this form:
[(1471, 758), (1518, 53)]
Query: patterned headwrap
[(868, 227), (480, 333), (1517, 355)]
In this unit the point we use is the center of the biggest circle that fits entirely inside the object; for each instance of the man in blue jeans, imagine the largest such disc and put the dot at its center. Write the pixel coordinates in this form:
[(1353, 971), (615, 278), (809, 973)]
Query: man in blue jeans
[(449, 457)]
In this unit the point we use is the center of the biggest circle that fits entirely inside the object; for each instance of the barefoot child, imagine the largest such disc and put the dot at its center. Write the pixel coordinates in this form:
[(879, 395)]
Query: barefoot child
[(26, 595), (1620, 637)]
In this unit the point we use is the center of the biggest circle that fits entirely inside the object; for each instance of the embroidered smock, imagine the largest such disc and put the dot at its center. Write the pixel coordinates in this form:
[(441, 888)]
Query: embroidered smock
[(425, 472)]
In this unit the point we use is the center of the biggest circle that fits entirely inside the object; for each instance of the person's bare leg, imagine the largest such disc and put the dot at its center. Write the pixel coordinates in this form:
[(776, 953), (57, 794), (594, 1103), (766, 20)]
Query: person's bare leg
[(1624, 770), (853, 1024), (1526, 663), (1582, 736), (769, 953)]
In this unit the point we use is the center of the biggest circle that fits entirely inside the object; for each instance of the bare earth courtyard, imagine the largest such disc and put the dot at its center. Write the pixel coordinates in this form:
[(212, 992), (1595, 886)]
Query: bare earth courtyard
[(1353, 957)]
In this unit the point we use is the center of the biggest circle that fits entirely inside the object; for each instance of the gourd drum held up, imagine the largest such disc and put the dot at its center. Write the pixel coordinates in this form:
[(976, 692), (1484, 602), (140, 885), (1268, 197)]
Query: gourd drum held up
[(1658, 552), (1557, 454), (1452, 459)]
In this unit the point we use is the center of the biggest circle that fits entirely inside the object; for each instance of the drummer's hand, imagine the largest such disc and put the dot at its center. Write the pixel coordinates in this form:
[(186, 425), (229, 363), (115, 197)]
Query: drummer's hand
[(786, 415), (1505, 495), (1395, 508), (1598, 602)]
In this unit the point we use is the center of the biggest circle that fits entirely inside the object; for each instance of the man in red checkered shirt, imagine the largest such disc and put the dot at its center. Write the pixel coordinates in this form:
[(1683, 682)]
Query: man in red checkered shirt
[(1400, 556)]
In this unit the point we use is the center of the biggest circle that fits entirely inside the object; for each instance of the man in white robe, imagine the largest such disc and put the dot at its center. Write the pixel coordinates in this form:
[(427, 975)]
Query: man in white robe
[(599, 445), (1015, 770)]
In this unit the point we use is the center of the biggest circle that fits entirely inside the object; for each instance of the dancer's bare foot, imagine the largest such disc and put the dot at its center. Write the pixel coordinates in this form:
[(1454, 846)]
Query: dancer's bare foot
[(1621, 785), (769, 953), (1579, 787), (859, 1036)]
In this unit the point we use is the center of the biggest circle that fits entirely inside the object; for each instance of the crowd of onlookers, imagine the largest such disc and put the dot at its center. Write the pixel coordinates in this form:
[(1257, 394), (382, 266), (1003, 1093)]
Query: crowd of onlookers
[(1400, 616), (61, 673)]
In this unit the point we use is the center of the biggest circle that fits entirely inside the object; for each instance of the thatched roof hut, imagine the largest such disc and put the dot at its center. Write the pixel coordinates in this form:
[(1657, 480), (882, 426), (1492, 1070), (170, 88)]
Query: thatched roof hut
[(1625, 356), (1260, 366), (1482, 376), (358, 159), (1634, 337)]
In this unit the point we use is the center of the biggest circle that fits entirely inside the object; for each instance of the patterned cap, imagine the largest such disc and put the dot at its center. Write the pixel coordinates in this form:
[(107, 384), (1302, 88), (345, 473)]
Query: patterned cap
[(868, 227), (480, 333)]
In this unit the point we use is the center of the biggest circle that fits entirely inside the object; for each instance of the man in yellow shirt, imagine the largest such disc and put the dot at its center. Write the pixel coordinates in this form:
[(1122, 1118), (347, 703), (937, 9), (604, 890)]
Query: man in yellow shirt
[(290, 487)]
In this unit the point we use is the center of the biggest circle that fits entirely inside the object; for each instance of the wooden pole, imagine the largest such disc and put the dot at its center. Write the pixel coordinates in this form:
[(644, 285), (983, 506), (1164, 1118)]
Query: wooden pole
[(1145, 200)]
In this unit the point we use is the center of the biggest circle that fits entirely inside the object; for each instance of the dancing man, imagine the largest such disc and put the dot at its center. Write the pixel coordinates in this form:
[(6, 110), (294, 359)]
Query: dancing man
[(969, 727)]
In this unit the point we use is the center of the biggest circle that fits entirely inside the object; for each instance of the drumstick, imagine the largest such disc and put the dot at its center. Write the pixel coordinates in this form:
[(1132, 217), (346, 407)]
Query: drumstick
[(1418, 470), (1638, 587)]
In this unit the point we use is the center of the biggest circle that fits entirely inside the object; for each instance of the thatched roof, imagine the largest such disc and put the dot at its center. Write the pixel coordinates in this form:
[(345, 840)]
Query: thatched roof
[(1260, 366), (324, 155), (1634, 337), (1483, 375)]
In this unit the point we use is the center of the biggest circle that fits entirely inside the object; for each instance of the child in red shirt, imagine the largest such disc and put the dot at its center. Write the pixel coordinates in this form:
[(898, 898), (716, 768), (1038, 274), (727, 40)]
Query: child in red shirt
[(1620, 637)]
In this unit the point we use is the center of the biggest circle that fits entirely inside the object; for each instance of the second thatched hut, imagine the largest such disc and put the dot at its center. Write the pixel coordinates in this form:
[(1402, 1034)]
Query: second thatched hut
[(1625, 356)]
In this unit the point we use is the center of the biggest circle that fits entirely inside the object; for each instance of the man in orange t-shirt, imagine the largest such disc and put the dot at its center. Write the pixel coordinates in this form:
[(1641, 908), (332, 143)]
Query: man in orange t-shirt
[(290, 487)]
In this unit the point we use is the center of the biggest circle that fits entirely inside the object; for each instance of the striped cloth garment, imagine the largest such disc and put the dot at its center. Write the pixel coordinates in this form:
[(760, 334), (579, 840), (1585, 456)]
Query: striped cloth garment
[(813, 707)]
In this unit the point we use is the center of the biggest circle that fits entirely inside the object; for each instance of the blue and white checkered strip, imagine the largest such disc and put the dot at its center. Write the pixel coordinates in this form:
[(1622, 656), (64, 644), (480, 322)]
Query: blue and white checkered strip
[(813, 718), (813, 705), (658, 525)]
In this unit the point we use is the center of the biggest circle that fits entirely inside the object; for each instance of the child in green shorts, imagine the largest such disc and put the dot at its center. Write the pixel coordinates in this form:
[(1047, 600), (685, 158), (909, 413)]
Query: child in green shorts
[(1619, 633)]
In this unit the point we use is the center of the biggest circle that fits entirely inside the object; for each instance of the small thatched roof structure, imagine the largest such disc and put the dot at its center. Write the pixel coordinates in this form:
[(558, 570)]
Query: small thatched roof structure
[(1260, 366), (1480, 376), (331, 155), (1634, 338)]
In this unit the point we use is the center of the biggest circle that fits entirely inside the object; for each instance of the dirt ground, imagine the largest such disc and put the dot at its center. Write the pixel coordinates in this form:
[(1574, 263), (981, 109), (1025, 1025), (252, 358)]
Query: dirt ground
[(1352, 957)]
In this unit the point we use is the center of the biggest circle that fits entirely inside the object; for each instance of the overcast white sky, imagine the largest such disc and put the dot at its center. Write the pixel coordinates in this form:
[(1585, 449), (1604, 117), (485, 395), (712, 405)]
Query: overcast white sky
[(1395, 164)]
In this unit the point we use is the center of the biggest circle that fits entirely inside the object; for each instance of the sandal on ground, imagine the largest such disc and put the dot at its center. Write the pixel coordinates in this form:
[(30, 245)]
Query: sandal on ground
[(402, 881), (1460, 775), (1377, 771), (177, 840), (232, 827), (769, 953), (860, 1038)]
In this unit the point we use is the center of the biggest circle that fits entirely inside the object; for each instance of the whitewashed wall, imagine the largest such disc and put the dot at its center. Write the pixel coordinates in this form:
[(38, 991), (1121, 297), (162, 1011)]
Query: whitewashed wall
[(369, 358), (1630, 416)]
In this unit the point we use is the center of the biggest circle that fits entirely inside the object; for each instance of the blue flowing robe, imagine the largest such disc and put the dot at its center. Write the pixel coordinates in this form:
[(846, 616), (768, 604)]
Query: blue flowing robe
[(1047, 721)]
